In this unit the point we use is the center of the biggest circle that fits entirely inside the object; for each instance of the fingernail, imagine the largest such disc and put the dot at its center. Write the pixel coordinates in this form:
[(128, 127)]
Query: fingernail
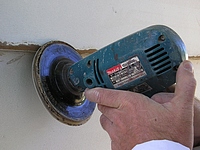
[(91, 95), (188, 66), (89, 91)]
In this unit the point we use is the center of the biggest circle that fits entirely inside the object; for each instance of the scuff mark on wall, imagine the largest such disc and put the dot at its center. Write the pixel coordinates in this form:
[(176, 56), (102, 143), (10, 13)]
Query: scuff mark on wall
[(1, 54), (113, 9), (15, 59)]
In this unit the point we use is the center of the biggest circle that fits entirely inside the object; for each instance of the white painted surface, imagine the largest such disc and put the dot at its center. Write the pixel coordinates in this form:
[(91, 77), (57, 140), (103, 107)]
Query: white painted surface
[(25, 123), (94, 24)]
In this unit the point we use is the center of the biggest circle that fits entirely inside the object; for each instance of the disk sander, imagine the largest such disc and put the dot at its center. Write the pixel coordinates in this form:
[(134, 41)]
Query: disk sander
[(145, 62)]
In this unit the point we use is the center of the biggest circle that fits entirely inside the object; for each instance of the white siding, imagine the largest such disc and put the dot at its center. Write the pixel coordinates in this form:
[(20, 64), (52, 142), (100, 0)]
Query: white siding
[(94, 24), (24, 122)]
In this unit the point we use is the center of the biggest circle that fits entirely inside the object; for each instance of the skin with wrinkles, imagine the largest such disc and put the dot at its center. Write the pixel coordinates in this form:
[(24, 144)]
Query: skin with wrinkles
[(132, 118)]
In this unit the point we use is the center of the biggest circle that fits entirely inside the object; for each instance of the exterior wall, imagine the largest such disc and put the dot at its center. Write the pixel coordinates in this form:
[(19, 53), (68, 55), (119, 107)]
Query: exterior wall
[(24, 122), (89, 24)]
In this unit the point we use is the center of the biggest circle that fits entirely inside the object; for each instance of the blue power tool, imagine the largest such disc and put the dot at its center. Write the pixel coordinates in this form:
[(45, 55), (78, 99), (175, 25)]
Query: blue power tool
[(145, 62)]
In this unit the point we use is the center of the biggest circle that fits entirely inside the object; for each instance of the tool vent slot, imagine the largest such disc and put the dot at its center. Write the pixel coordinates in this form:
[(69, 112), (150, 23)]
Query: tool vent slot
[(97, 74), (158, 58)]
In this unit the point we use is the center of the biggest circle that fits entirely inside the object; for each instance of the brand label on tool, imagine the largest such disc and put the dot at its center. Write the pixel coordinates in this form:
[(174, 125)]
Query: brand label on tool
[(126, 72)]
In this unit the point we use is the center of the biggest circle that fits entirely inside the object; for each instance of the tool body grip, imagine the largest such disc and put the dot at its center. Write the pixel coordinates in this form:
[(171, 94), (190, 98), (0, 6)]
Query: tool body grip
[(144, 62)]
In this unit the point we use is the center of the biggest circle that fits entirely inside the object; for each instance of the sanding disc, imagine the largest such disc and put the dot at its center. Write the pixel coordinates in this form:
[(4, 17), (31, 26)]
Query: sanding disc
[(52, 86)]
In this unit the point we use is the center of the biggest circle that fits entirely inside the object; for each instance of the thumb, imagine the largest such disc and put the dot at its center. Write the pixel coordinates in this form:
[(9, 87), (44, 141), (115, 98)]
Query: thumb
[(185, 84)]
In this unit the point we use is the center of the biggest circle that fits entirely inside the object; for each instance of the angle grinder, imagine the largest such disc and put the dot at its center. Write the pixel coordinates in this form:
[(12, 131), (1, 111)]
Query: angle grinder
[(145, 62)]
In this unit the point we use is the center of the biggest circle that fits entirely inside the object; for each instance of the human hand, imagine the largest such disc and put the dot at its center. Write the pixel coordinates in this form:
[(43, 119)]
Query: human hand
[(166, 97), (132, 118)]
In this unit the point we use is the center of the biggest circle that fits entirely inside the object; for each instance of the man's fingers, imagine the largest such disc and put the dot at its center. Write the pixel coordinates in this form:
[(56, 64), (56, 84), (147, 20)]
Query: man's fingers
[(109, 112), (185, 83), (106, 97), (162, 98), (106, 123)]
